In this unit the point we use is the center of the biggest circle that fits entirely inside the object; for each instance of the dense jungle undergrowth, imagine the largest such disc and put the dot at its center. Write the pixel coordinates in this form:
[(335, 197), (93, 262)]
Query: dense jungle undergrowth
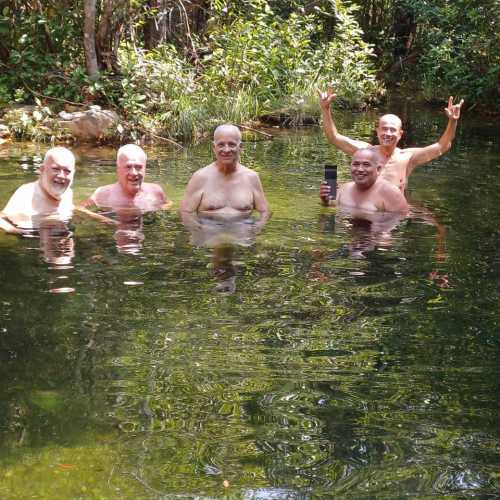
[(176, 68)]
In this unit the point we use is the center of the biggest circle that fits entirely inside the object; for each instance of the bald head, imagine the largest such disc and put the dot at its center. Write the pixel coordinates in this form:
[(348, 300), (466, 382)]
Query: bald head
[(130, 151), (59, 155), (389, 118), (370, 154), (227, 128)]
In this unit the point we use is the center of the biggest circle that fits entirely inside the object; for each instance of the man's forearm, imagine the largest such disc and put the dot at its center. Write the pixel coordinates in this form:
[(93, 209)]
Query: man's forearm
[(446, 139), (9, 227), (329, 126)]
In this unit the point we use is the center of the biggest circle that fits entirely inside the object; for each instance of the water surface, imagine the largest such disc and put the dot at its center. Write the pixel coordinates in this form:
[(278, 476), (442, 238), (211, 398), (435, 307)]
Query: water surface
[(343, 364)]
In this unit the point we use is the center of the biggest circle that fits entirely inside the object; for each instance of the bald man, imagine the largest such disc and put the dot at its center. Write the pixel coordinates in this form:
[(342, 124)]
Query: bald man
[(50, 195), (225, 189), (368, 191), (397, 164), (130, 190)]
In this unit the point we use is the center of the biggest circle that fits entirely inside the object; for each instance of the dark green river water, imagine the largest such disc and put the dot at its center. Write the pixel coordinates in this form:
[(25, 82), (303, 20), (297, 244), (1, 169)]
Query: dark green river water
[(345, 364)]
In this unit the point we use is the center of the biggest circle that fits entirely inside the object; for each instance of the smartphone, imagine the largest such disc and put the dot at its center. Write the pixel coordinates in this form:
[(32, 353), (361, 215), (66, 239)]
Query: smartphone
[(331, 179)]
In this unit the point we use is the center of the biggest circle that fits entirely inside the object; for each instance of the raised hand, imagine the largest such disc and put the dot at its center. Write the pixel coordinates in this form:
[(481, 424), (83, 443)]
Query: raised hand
[(453, 110), (326, 98)]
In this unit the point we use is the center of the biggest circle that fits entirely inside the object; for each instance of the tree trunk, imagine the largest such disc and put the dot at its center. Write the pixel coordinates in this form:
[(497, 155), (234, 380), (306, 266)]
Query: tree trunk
[(155, 27), (89, 39)]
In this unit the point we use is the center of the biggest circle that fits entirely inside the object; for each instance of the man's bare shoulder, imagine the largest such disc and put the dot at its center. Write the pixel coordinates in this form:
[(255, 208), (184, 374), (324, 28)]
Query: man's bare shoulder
[(404, 152), (387, 188), (20, 198), (152, 187), (103, 193), (248, 172)]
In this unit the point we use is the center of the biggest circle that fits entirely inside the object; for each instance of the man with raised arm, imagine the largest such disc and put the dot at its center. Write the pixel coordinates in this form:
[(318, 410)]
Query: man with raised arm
[(130, 190), (50, 195), (397, 164), (225, 190), (368, 191)]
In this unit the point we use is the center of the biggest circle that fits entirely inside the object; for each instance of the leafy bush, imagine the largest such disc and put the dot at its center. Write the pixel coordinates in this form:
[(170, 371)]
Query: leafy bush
[(459, 46)]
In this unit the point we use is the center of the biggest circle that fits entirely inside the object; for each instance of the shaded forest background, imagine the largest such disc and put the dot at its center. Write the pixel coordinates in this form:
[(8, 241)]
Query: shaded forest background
[(177, 67)]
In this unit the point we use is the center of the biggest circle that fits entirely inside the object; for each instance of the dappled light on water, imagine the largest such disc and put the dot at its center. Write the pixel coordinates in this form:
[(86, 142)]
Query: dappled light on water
[(328, 355)]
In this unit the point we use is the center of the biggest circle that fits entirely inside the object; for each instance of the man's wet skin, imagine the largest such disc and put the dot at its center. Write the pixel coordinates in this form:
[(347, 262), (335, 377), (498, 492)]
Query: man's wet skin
[(225, 189), (218, 204), (130, 190), (129, 198), (367, 191), (397, 163), (51, 194)]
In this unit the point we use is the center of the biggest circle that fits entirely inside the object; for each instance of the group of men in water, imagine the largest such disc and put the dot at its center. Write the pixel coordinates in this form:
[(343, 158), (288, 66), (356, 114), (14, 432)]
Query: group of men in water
[(226, 190)]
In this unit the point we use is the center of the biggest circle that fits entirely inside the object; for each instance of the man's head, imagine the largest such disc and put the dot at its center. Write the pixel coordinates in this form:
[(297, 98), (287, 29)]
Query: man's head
[(57, 172), (131, 168), (365, 168), (227, 145), (389, 130)]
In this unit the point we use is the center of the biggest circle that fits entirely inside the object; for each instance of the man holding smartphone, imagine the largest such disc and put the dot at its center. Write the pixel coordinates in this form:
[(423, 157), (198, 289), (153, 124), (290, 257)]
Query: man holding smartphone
[(397, 164), (367, 191)]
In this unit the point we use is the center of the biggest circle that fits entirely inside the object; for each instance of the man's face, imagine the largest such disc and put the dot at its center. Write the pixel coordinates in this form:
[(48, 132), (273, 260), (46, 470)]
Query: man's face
[(364, 169), (227, 147), (56, 175), (389, 130), (131, 169)]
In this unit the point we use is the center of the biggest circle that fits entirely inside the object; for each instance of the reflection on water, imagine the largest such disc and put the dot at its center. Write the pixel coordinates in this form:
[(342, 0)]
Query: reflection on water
[(223, 237), (322, 374), (56, 242)]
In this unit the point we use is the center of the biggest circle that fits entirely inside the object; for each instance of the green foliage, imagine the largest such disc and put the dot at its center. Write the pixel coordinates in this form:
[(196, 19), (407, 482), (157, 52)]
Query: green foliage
[(41, 51), (460, 49), (256, 56)]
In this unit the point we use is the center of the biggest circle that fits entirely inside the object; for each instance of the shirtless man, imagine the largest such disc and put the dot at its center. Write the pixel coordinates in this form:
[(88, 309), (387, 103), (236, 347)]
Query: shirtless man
[(129, 198), (367, 192), (218, 202), (397, 164), (225, 190), (50, 195), (130, 191)]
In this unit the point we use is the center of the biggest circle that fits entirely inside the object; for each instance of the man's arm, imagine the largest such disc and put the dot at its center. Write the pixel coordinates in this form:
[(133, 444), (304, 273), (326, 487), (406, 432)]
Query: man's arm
[(191, 201), (443, 145), (17, 204), (7, 226), (344, 143), (260, 201)]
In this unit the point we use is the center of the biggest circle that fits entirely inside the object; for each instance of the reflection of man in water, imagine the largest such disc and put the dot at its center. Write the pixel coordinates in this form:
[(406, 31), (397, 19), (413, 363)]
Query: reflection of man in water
[(56, 242), (370, 205), (220, 198), (129, 197), (367, 191), (397, 163), (51, 194)]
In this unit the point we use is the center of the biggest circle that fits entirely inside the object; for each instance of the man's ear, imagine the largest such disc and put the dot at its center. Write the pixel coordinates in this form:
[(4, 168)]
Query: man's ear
[(379, 168)]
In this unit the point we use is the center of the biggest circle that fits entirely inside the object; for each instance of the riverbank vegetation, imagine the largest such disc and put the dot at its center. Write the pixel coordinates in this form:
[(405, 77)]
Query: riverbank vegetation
[(175, 68)]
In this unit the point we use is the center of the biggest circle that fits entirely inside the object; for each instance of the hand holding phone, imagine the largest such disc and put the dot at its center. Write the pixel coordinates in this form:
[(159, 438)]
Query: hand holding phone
[(331, 180)]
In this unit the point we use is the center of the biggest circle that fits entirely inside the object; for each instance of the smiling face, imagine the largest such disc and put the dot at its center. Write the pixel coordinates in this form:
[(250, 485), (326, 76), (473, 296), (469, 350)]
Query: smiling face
[(389, 130), (227, 145), (57, 172), (365, 168), (131, 168)]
